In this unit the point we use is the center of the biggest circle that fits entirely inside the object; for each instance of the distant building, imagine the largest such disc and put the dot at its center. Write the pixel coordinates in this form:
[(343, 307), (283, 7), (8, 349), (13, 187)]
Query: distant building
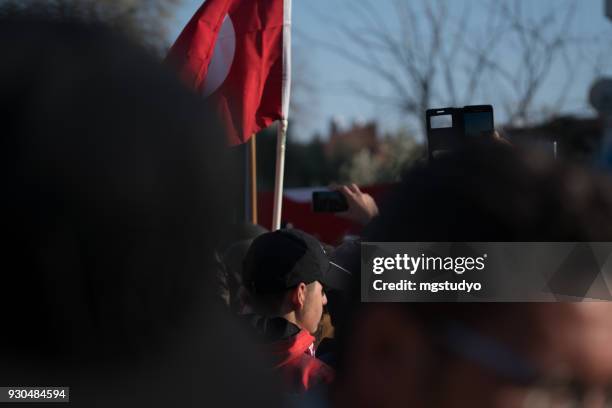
[(351, 140)]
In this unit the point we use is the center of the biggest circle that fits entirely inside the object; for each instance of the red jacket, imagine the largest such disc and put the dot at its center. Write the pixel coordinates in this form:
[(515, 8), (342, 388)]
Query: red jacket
[(290, 349), (299, 368)]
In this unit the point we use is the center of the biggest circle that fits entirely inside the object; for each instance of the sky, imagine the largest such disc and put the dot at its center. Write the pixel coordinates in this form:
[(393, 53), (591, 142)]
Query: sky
[(325, 82)]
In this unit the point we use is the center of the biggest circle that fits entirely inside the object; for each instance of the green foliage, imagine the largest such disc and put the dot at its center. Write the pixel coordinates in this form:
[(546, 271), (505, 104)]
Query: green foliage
[(395, 155), (307, 164), (401, 152)]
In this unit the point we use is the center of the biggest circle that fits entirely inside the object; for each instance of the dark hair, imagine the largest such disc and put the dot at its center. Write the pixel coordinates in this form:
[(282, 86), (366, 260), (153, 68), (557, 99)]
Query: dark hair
[(488, 193), (112, 206), (268, 304), (106, 181), (229, 264), (494, 193)]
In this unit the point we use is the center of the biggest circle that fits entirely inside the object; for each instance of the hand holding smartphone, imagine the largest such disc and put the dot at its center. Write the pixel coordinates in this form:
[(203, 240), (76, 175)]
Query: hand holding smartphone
[(348, 202), (449, 128), (329, 201)]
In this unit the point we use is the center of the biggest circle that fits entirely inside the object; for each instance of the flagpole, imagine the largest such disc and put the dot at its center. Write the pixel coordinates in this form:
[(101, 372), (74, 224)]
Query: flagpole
[(281, 142), (246, 185), (284, 123), (253, 174)]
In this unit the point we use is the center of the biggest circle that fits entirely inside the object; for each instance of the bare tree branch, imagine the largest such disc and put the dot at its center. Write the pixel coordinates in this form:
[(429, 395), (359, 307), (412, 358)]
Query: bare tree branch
[(427, 56)]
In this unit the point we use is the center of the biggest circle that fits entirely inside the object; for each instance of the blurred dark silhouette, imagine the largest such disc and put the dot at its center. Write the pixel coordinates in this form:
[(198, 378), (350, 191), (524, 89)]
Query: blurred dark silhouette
[(112, 206), (475, 354), (578, 139), (493, 192), (147, 22), (229, 258)]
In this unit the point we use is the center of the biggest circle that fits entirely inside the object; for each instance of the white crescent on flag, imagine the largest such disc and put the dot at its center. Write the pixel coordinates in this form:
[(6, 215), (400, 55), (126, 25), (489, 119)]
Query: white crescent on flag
[(237, 54), (222, 57)]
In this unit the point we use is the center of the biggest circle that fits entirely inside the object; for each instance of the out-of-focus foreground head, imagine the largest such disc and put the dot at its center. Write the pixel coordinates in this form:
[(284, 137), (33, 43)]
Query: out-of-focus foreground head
[(112, 204), (484, 355)]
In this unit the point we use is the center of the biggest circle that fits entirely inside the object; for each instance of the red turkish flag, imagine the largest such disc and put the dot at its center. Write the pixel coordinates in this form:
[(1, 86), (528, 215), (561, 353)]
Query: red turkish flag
[(238, 53)]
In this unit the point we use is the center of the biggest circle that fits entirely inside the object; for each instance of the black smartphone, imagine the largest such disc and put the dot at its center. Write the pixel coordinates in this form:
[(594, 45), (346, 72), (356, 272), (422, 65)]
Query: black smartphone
[(444, 128), (328, 201), (478, 121), (449, 128)]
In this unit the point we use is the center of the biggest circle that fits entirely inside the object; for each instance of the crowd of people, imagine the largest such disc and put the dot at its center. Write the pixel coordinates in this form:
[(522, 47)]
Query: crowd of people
[(126, 278)]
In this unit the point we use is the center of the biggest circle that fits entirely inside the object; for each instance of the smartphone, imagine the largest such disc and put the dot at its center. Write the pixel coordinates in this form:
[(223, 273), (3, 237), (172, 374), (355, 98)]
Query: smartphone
[(329, 201), (444, 130), (448, 129), (478, 121)]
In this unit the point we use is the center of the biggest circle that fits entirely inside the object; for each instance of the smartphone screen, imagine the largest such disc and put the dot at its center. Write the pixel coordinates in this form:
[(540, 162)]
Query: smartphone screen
[(478, 123), (443, 130), (328, 201), (441, 121)]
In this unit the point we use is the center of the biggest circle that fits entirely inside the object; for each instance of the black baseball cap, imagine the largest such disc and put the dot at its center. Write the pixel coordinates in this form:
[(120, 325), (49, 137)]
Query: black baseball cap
[(279, 260)]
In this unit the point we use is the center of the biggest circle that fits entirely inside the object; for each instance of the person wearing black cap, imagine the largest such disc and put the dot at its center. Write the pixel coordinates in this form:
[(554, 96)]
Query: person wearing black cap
[(286, 272)]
